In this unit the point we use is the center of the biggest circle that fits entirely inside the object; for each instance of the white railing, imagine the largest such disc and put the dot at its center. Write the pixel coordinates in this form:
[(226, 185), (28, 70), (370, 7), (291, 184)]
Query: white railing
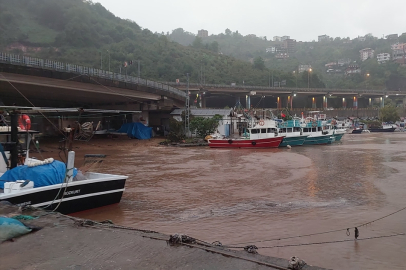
[(16, 59)]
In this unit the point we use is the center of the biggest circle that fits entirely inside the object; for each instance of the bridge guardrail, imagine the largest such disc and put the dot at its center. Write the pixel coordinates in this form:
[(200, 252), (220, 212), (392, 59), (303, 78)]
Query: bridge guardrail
[(16, 59), (289, 89)]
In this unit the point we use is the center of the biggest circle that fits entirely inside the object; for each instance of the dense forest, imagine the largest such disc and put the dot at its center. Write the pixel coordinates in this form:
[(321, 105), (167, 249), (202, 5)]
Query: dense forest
[(83, 32)]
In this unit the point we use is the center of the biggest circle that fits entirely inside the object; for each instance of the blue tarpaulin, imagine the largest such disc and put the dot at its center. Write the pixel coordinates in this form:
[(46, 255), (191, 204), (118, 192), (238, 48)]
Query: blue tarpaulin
[(43, 175), (136, 130)]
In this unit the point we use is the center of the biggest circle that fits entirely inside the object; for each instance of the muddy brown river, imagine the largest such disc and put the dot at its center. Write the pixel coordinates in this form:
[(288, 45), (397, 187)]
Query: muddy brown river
[(241, 197)]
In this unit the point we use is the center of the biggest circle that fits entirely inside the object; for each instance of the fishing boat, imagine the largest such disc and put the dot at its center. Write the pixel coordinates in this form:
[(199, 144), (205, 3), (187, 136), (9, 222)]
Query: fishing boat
[(292, 132), (49, 183), (335, 129), (383, 128), (315, 134), (263, 134)]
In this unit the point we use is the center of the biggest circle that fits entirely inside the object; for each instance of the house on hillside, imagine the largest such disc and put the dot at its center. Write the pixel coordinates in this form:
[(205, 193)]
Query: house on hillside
[(383, 57), (366, 54), (323, 38), (352, 69)]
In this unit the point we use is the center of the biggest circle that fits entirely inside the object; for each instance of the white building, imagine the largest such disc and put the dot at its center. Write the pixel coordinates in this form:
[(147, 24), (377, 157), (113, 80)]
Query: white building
[(271, 49), (323, 38), (366, 53), (277, 38), (303, 68), (383, 57)]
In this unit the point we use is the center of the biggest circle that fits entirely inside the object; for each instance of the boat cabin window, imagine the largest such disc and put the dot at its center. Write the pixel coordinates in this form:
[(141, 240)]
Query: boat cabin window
[(254, 131), (314, 129), (263, 130), (296, 129), (289, 130)]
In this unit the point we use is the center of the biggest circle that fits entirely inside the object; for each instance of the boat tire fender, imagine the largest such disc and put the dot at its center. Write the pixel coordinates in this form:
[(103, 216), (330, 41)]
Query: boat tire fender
[(230, 141), (254, 143), (24, 122)]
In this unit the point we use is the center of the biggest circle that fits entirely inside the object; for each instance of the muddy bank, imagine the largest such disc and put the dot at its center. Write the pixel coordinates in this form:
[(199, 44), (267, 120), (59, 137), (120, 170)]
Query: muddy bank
[(70, 243)]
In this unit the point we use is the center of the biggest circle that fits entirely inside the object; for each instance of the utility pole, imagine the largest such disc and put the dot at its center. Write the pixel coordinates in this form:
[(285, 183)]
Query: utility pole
[(272, 78), (101, 60), (187, 112), (109, 59), (138, 68), (269, 79)]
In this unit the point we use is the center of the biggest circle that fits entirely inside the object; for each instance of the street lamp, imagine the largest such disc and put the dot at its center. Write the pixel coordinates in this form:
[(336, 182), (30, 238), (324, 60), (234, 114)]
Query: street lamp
[(308, 77), (366, 78)]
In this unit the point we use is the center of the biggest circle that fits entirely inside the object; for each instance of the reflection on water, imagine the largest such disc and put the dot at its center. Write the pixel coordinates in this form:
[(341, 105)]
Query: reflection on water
[(247, 196)]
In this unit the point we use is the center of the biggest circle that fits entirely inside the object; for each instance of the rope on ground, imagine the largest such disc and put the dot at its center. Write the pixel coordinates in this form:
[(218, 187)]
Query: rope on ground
[(347, 230), (320, 243)]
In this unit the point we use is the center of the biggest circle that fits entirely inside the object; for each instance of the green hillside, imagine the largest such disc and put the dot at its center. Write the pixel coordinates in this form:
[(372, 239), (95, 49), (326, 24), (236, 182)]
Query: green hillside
[(317, 54), (82, 32)]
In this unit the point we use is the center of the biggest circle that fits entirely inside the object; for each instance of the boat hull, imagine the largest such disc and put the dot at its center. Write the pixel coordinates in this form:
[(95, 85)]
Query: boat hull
[(356, 131), (337, 137), (325, 139), (78, 196), (293, 141), (381, 129), (246, 143)]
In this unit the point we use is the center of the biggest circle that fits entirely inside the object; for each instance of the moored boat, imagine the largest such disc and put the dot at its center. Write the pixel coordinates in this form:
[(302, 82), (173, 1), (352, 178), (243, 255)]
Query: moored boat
[(292, 132), (263, 134), (313, 128), (52, 184)]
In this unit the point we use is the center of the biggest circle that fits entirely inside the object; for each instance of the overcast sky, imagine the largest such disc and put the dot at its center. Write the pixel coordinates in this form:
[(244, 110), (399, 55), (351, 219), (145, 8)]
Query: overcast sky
[(300, 19)]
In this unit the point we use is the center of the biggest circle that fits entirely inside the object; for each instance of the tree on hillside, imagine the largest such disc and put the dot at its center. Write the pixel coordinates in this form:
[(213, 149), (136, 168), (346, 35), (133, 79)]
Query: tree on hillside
[(259, 63), (198, 43), (389, 113)]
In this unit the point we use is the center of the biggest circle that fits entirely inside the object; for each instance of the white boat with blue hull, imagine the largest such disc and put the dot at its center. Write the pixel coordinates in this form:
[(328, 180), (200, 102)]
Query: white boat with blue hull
[(316, 135), (292, 132)]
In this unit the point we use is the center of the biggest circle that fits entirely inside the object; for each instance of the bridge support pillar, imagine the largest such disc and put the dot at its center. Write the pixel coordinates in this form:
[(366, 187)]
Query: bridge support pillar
[(313, 102), (382, 102), (202, 100), (370, 102), (344, 103), (325, 102), (248, 101), (355, 103), (278, 103), (237, 100)]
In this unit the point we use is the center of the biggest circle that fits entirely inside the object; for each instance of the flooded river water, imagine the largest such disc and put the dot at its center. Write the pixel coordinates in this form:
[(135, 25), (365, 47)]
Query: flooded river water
[(241, 197)]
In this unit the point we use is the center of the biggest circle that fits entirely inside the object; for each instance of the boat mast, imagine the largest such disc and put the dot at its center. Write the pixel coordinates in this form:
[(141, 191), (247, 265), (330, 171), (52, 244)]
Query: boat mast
[(14, 140)]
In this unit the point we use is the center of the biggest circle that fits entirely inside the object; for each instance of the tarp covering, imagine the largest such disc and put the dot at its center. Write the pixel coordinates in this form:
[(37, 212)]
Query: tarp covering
[(43, 175), (136, 130)]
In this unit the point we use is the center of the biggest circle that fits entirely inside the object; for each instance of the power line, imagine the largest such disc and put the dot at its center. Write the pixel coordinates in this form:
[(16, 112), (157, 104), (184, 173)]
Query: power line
[(326, 232), (327, 242)]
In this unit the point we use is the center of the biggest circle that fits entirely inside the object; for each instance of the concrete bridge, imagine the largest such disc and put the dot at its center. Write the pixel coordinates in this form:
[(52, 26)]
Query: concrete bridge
[(29, 81), (288, 96)]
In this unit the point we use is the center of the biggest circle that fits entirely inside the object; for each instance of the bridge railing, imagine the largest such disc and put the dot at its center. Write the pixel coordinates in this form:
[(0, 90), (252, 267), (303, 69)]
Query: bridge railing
[(287, 89), (16, 59)]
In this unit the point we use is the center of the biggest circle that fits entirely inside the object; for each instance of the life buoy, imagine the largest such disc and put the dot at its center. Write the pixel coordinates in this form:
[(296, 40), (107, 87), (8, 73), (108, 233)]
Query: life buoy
[(262, 122), (24, 122), (254, 143), (314, 123), (230, 141)]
